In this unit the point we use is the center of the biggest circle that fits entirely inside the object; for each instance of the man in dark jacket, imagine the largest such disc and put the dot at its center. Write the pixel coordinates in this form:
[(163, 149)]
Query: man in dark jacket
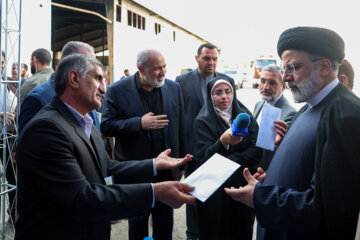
[(68, 187), (144, 113)]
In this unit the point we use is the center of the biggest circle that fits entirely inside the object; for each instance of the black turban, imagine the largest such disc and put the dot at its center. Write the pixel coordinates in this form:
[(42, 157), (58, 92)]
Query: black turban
[(314, 40)]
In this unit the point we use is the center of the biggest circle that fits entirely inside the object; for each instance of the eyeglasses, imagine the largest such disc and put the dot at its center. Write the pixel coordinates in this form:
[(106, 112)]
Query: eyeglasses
[(272, 83), (221, 92), (292, 67)]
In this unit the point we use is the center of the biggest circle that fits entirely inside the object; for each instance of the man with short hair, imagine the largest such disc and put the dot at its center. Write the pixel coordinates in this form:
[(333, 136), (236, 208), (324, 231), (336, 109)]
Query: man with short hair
[(315, 168), (271, 90), (39, 65), (14, 74), (346, 74), (42, 94), (24, 71), (193, 88), (68, 187), (144, 112), (126, 73)]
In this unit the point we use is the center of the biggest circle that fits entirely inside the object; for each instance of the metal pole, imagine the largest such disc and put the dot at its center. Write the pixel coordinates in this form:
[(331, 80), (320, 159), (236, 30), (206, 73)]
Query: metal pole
[(7, 145)]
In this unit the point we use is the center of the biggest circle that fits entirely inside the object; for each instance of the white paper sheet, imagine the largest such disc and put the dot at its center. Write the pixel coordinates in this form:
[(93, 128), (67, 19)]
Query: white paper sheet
[(210, 176), (267, 130)]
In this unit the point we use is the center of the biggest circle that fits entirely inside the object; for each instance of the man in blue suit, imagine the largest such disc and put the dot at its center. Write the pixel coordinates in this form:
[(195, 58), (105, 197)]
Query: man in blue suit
[(43, 94), (144, 112), (315, 168)]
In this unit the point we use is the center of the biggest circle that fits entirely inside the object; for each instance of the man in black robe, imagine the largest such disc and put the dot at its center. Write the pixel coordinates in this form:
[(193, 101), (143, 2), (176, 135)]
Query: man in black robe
[(317, 164)]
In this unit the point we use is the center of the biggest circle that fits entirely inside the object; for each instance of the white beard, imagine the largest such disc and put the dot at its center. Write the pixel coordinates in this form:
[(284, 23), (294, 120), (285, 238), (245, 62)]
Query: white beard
[(154, 83), (267, 98), (307, 88)]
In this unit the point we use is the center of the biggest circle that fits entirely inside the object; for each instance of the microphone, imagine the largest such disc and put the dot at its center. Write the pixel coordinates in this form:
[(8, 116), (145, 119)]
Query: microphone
[(240, 124)]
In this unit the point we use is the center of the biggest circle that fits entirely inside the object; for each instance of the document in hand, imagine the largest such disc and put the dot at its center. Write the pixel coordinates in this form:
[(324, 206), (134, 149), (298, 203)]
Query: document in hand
[(267, 130), (210, 176)]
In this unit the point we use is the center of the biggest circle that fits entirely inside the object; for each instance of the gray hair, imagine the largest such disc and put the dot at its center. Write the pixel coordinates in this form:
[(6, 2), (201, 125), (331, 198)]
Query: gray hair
[(80, 63), (144, 56), (73, 47), (274, 68)]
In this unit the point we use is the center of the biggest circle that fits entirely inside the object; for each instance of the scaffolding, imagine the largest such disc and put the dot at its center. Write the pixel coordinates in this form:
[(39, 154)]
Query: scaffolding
[(10, 21)]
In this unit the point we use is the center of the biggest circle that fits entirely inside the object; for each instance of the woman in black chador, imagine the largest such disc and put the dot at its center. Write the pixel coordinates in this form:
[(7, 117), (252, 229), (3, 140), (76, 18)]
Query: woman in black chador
[(220, 217)]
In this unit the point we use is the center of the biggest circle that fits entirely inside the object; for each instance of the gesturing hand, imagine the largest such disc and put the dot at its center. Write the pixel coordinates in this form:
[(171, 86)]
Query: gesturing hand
[(281, 129), (173, 194), (260, 175), (150, 121), (245, 194), (163, 161)]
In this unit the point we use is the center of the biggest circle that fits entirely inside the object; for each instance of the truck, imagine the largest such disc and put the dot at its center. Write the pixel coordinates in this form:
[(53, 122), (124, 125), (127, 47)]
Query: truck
[(256, 67)]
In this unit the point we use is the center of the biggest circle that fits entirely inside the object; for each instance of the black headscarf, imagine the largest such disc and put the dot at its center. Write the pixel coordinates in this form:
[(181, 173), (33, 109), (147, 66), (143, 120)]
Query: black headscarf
[(208, 127)]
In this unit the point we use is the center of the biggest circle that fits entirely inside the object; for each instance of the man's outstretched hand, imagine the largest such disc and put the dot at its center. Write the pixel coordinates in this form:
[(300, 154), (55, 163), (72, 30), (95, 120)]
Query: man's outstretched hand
[(173, 194), (163, 161)]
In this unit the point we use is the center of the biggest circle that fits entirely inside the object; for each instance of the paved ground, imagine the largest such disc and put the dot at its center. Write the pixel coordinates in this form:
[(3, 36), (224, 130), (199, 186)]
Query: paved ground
[(119, 230)]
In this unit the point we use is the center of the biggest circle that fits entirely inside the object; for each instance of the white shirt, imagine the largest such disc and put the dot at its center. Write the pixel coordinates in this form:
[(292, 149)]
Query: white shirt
[(317, 98)]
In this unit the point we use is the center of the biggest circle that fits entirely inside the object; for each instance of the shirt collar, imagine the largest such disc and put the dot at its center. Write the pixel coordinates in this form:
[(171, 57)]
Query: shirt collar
[(205, 78), (84, 121), (318, 97)]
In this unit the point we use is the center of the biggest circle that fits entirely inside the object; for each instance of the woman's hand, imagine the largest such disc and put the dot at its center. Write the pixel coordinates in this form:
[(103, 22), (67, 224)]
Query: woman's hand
[(228, 139)]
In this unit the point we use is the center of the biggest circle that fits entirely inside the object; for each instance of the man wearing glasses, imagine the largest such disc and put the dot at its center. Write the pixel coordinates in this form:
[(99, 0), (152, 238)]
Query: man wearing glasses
[(311, 187), (271, 91)]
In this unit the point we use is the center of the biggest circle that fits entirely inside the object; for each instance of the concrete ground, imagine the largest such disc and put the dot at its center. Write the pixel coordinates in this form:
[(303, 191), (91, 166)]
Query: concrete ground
[(120, 230)]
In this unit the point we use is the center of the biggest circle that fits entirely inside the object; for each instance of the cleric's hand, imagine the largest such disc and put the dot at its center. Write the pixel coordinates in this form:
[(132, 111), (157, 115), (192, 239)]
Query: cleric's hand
[(245, 194), (260, 174)]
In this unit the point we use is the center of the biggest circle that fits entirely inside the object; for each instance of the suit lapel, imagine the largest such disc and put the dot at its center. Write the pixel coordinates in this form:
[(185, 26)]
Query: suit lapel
[(70, 118), (166, 106), (134, 96), (280, 102), (258, 109), (81, 133), (196, 87)]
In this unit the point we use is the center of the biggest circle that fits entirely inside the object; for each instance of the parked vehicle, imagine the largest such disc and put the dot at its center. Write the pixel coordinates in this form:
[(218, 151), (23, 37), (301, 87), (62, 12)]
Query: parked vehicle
[(238, 79), (256, 67)]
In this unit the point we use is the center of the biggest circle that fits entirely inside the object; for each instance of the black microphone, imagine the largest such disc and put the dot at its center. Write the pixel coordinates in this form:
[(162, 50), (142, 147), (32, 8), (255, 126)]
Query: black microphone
[(240, 124)]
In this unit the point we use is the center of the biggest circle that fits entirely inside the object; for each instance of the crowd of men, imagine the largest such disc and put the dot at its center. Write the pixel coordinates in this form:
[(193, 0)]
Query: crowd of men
[(68, 186)]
